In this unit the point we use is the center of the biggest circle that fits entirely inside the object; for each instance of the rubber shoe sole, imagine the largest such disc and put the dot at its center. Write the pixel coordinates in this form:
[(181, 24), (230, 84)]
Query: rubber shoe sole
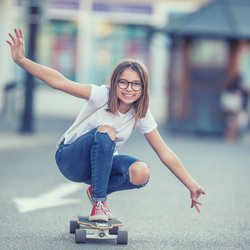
[(100, 217)]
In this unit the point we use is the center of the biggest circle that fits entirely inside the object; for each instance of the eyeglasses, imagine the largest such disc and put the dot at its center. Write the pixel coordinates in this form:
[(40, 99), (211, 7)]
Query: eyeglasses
[(123, 84)]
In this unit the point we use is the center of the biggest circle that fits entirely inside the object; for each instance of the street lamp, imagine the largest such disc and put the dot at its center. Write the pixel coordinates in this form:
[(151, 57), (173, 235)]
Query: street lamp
[(34, 17)]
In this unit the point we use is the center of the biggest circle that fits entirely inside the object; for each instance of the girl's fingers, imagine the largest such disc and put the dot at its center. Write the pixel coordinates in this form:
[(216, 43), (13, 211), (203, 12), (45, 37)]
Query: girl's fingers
[(9, 43), (17, 33), (17, 39), (12, 38), (197, 207), (197, 202), (20, 33)]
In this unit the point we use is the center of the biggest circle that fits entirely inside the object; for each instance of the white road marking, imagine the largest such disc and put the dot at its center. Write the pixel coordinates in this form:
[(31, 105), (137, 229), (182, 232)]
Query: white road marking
[(53, 198)]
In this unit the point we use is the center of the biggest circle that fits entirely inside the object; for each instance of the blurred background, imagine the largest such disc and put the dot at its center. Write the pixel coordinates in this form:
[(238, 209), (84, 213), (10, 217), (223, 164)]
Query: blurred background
[(194, 50), (198, 56)]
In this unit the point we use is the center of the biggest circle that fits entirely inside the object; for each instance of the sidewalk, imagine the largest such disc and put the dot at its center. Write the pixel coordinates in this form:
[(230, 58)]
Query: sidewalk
[(48, 131)]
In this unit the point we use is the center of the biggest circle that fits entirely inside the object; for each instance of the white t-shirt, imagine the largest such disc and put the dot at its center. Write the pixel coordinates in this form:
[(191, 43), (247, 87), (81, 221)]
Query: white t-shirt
[(94, 113)]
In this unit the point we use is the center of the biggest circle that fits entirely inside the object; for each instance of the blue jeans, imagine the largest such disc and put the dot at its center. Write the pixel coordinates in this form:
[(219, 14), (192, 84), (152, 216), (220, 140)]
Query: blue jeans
[(90, 159)]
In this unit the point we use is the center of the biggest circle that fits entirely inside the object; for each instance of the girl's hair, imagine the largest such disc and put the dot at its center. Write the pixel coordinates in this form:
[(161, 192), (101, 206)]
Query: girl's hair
[(141, 105)]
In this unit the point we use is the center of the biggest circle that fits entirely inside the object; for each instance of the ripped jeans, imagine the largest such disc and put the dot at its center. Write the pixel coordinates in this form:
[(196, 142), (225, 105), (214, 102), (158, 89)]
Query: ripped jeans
[(90, 159)]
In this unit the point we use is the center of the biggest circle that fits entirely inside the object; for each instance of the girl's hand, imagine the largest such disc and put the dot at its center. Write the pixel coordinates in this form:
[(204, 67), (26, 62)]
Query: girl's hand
[(17, 45), (195, 194)]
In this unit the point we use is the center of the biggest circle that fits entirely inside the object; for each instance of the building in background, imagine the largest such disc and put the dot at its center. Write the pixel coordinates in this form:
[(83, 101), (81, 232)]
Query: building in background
[(209, 49), (84, 39)]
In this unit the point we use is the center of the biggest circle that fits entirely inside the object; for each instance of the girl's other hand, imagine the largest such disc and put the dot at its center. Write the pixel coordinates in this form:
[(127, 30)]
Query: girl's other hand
[(17, 45), (195, 194)]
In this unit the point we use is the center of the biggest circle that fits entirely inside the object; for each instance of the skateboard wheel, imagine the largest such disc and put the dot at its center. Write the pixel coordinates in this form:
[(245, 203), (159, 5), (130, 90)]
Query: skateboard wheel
[(80, 235), (113, 231), (73, 226), (122, 237)]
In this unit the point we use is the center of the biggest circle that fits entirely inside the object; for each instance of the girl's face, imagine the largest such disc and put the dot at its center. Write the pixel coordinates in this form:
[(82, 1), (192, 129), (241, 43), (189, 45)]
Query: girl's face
[(129, 89)]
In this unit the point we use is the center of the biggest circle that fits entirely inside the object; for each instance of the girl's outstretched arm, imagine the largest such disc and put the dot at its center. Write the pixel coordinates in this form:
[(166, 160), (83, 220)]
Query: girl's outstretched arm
[(170, 160), (48, 75)]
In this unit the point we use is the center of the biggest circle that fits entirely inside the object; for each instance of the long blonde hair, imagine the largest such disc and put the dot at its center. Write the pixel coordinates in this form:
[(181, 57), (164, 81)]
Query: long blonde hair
[(142, 104)]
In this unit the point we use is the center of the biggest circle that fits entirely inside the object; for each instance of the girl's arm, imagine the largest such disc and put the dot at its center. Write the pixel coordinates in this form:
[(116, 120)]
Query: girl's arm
[(48, 75), (170, 160)]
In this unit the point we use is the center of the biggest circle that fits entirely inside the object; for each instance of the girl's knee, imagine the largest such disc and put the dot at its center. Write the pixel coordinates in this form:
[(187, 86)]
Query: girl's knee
[(139, 173), (107, 129)]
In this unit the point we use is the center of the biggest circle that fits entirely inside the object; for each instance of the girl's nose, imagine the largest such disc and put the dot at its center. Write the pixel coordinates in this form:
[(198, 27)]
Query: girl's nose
[(130, 87)]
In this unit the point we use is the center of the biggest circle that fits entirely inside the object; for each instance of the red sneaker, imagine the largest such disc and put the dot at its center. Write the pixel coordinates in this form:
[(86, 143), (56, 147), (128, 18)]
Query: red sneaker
[(90, 194), (105, 207), (107, 210), (98, 213)]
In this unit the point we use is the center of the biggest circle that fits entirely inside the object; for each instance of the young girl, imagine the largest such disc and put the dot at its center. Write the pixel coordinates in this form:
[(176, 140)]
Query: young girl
[(88, 151)]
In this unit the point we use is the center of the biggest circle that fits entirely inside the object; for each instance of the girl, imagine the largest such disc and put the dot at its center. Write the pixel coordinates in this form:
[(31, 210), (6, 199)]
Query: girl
[(87, 151)]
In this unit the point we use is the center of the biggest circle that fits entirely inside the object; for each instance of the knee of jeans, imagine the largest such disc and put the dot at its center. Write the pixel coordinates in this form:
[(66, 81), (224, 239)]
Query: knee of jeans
[(107, 129), (139, 173)]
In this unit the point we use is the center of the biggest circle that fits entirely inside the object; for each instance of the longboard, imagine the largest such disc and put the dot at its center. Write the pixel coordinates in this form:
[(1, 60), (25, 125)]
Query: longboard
[(85, 229)]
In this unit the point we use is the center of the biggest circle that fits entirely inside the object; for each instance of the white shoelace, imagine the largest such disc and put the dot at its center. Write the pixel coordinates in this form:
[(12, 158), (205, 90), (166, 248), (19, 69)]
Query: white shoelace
[(100, 207)]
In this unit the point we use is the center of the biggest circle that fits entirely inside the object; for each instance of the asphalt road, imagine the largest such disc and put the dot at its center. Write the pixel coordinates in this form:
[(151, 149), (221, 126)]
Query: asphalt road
[(157, 217)]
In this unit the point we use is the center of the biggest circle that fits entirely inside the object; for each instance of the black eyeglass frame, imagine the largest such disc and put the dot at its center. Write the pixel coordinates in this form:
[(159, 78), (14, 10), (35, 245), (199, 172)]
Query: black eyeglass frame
[(131, 83)]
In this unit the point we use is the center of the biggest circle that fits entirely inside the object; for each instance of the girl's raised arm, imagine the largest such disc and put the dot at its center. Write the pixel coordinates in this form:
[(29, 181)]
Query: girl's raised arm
[(48, 75)]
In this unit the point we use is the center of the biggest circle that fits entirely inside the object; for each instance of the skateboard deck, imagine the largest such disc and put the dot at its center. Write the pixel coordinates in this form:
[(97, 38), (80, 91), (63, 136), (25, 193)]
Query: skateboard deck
[(100, 225), (85, 229)]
